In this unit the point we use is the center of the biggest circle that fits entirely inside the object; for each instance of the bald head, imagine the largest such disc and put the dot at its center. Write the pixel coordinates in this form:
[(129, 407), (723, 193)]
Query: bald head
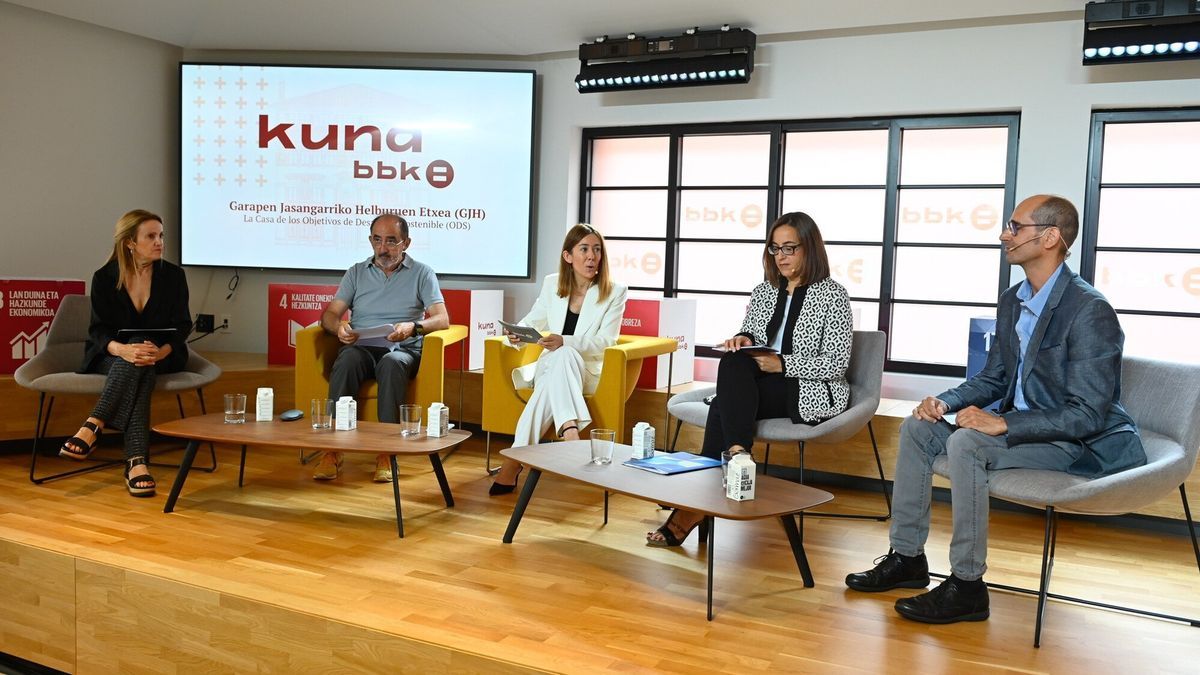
[(390, 223), (1056, 211)]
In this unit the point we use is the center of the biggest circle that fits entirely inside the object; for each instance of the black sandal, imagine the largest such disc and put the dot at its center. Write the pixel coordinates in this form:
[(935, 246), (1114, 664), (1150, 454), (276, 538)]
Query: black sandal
[(669, 540), (562, 432), (138, 486), (69, 448)]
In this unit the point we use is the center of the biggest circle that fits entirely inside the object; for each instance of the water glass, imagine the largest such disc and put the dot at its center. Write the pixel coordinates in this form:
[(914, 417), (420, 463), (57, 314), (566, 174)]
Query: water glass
[(321, 413), (410, 420), (235, 408), (603, 441), (725, 457)]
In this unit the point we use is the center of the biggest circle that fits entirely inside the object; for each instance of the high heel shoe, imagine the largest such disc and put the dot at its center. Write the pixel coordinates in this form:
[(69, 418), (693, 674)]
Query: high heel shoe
[(669, 540), (69, 448), (499, 488), (138, 486)]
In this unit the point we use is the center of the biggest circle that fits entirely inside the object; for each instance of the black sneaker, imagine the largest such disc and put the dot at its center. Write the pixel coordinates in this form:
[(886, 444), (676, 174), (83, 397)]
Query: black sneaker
[(953, 600), (891, 571)]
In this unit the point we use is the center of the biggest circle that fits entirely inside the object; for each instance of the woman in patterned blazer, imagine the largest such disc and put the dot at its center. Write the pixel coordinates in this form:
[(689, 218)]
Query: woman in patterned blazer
[(788, 360)]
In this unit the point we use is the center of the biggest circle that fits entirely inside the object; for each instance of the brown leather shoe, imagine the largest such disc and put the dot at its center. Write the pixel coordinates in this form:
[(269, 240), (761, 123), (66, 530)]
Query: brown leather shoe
[(328, 467), (383, 469)]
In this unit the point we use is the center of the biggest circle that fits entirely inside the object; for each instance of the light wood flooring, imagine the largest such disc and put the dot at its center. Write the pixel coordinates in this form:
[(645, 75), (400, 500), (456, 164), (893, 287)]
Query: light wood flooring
[(288, 575)]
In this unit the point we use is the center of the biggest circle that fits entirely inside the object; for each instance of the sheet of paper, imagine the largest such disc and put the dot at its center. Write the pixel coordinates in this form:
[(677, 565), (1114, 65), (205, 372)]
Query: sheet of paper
[(376, 336)]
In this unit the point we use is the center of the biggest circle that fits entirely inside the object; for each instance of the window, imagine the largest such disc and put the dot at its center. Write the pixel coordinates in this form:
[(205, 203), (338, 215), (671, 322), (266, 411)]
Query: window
[(905, 206), (1141, 232)]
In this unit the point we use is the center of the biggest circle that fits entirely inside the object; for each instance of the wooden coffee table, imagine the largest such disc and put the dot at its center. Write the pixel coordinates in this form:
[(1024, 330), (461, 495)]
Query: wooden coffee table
[(698, 491), (372, 438)]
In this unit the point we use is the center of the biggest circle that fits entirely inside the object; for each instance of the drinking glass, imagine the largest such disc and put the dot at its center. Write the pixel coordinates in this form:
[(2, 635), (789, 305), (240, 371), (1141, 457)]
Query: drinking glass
[(410, 420), (235, 408), (322, 413), (603, 441)]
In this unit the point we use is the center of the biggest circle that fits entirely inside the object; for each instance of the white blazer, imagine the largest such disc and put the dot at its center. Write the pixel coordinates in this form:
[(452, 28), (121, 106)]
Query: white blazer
[(597, 329)]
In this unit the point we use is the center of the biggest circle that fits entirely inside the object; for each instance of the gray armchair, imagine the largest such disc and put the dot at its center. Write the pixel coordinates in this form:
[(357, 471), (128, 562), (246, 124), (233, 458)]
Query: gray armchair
[(865, 376), (1164, 400), (52, 373)]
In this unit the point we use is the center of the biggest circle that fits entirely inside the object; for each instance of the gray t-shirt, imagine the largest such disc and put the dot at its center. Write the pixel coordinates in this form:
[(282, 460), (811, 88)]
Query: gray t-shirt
[(375, 298)]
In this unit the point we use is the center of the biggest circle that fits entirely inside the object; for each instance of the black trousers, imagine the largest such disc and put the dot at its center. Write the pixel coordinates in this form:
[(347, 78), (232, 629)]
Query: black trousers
[(125, 402), (745, 394), (392, 369)]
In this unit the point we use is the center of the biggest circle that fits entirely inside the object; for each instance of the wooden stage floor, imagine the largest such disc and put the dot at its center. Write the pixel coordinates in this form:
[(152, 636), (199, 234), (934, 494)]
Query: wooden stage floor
[(290, 575)]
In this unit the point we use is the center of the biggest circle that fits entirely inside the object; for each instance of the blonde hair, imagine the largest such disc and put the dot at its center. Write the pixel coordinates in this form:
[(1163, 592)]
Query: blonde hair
[(566, 279), (125, 232)]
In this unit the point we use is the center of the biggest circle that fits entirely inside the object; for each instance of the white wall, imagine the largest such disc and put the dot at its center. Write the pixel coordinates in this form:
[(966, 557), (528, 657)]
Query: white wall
[(87, 132), (82, 75)]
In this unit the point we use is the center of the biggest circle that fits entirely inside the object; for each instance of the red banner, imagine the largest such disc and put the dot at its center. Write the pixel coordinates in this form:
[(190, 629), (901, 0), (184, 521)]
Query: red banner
[(27, 306), (290, 308)]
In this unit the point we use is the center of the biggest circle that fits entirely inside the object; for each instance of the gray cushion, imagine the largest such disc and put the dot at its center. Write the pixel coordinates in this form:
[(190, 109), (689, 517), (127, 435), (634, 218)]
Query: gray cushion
[(1164, 399), (52, 370), (865, 375)]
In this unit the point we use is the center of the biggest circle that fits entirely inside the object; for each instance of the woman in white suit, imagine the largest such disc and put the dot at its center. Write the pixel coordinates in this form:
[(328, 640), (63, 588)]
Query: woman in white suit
[(582, 309)]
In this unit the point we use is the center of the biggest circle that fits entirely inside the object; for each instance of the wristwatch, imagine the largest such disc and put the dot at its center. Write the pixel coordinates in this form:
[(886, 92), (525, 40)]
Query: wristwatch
[(418, 329)]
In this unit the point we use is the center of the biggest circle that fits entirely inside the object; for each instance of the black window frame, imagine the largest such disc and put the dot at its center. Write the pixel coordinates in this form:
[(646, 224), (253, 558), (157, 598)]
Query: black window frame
[(775, 189)]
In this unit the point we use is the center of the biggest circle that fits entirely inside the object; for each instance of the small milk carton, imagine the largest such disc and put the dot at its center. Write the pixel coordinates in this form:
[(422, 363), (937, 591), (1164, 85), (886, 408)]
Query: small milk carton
[(740, 477), (643, 440), (264, 405), (437, 422), (345, 414)]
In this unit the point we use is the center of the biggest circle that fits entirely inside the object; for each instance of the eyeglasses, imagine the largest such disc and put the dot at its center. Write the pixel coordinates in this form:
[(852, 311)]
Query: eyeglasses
[(787, 249), (389, 242), (1014, 227)]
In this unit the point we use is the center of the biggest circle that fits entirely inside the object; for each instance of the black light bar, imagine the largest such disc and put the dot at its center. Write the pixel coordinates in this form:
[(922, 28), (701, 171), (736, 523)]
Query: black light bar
[(1127, 31), (696, 58)]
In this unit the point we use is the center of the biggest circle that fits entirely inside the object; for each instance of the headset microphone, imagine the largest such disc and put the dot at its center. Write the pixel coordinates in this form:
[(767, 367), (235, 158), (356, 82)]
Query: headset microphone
[(1010, 250)]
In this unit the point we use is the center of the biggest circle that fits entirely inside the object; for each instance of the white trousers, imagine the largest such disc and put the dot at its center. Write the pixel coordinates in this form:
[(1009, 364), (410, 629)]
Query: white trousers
[(559, 383)]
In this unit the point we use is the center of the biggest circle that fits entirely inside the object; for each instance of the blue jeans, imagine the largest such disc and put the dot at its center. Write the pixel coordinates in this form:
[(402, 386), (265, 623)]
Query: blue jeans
[(971, 455)]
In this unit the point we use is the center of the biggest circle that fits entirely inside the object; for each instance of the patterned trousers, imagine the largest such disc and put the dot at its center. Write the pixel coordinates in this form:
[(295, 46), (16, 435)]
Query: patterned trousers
[(125, 402)]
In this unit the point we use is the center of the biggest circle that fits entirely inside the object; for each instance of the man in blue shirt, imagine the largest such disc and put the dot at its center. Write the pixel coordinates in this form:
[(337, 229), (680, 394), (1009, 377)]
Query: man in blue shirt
[(388, 289), (1055, 365)]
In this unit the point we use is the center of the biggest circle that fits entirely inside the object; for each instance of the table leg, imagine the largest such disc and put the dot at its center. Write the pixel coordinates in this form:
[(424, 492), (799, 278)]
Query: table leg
[(796, 539), (710, 522), (522, 502), (396, 495), (185, 465), (441, 478), (242, 466)]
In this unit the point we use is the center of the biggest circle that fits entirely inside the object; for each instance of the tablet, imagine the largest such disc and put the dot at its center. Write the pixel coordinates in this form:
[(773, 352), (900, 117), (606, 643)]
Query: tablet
[(159, 336), (525, 333)]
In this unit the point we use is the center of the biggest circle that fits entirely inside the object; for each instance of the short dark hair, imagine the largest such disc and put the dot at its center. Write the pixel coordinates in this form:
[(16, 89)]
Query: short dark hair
[(1060, 213), (816, 261), (399, 220)]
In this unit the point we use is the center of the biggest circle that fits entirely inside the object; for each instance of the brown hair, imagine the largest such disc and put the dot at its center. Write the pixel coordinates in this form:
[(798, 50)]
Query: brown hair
[(566, 278), (816, 261), (126, 231)]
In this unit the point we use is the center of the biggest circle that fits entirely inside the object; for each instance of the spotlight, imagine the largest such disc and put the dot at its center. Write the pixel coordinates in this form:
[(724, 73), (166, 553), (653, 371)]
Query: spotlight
[(694, 57), (1140, 30)]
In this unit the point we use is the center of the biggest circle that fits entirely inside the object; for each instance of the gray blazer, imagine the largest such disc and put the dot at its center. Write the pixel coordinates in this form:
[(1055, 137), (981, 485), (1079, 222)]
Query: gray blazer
[(1071, 377)]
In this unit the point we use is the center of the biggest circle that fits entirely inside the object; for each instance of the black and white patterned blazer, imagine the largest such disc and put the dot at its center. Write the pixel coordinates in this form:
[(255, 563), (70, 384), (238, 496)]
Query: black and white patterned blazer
[(821, 343)]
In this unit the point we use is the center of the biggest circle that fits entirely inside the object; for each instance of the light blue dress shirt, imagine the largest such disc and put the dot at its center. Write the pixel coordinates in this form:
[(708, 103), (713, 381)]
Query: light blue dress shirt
[(1031, 310)]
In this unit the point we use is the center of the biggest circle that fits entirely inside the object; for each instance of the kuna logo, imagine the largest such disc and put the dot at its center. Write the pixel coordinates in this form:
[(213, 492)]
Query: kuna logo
[(348, 139), (27, 345)]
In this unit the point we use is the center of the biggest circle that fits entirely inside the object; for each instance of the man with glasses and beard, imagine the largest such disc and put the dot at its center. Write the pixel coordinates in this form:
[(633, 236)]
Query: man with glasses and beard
[(389, 288), (1055, 366)]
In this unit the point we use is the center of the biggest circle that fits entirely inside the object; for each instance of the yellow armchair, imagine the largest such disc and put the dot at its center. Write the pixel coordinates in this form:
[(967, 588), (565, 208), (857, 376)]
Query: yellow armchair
[(316, 350), (503, 402)]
